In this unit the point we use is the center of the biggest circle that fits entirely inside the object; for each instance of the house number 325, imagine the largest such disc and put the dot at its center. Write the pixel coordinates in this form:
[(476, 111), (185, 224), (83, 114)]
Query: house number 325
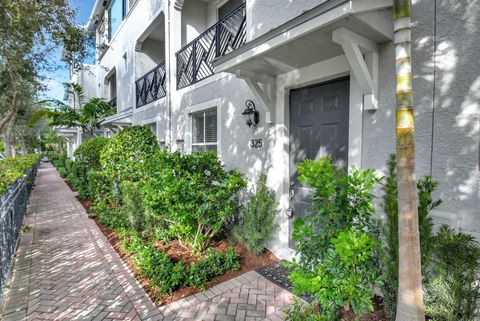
[(256, 143)]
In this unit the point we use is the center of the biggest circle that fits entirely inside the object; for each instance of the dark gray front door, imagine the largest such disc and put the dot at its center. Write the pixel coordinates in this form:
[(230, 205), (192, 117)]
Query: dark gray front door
[(318, 127)]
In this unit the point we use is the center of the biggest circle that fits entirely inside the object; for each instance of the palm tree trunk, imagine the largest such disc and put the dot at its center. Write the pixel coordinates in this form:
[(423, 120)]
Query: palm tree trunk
[(410, 295)]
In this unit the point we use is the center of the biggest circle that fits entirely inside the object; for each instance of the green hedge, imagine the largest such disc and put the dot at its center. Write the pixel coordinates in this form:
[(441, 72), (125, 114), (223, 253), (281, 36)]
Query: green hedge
[(194, 194), (127, 153), (87, 158), (12, 169)]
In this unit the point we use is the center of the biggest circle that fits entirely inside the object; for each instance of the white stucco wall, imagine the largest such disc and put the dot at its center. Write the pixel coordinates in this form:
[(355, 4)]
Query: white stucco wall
[(141, 15), (446, 97), (260, 15), (447, 106)]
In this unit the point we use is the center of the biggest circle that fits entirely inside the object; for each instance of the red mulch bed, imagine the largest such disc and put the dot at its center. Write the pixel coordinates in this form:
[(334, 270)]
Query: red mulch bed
[(177, 252)]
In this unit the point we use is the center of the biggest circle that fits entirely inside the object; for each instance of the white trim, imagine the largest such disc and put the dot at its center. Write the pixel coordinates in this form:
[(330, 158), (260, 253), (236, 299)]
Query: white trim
[(299, 31), (148, 121), (192, 109), (365, 68)]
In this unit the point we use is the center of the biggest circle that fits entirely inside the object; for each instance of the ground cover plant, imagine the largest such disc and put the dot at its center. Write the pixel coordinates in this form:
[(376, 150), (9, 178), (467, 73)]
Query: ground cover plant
[(336, 250), (13, 168)]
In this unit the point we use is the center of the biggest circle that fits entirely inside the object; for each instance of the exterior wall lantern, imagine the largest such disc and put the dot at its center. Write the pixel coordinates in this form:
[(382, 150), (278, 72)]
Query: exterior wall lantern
[(252, 116)]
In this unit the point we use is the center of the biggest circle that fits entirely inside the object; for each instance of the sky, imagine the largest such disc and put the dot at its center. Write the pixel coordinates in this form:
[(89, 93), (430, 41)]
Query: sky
[(55, 80)]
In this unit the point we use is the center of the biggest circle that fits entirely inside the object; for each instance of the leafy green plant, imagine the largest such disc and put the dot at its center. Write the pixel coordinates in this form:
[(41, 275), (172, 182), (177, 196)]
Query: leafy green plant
[(344, 278), (339, 201), (194, 195), (88, 153), (300, 311), (62, 171), (13, 168), (137, 215), (336, 263), (100, 187), (258, 218), (167, 276), (126, 154), (453, 291)]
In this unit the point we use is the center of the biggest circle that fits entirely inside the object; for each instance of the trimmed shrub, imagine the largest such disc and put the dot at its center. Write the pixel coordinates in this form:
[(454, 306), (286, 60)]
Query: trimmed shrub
[(69, 163), (167, 276), (137, 216), (88, 153), (126, 154), (258, 218), (62, 171), (388, 253), (13, 168), (195, 195), (100, 187), (453, 292)]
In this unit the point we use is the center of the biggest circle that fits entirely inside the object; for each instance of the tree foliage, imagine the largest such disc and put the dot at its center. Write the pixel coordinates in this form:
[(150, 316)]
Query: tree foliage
[(29, 32)]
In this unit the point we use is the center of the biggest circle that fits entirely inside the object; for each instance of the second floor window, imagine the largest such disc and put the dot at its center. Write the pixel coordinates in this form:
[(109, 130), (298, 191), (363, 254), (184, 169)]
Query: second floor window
[(116, 13)]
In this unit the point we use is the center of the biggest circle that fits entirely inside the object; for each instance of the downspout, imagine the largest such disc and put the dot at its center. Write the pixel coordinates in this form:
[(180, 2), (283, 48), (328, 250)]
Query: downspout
[(169, 82)]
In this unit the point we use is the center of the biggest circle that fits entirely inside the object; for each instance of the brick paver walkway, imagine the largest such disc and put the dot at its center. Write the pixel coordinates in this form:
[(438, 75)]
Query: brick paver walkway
[(248, 297), (66, 270)]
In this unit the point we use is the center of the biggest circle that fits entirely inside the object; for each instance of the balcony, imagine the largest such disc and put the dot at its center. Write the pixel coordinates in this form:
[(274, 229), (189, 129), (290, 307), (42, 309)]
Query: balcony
[(151, 86), (194, 61)]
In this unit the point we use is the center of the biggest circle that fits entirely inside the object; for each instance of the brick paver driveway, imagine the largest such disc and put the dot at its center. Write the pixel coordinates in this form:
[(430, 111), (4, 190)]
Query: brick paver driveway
[(66, 270), (65, 267)]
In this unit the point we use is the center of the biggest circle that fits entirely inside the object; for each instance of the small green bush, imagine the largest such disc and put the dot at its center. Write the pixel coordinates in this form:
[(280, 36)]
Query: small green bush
[(69, 164), (388, 252), (195, 195), (100, 187), (62, 171), (13, 168), (167, 276), (126, 154), (78, 177), (258, 218), (336, 262), (453, 290), (137, 216), (88, 153)]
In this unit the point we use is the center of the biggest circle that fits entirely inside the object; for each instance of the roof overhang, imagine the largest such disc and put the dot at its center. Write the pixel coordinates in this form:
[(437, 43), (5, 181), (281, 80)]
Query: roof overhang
[(320, 34), (118, 121), (308, 38)]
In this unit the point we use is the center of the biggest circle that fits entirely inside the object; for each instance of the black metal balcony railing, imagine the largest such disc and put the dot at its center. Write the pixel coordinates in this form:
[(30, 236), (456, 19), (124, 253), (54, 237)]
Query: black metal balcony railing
[(151, 86), (194, 61)]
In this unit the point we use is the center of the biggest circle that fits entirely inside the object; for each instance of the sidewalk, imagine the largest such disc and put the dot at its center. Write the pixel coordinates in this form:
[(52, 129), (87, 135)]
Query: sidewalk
[(65, 268)]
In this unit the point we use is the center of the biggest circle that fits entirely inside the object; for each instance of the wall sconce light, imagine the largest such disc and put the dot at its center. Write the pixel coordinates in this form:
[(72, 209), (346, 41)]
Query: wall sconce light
[(252, 116)]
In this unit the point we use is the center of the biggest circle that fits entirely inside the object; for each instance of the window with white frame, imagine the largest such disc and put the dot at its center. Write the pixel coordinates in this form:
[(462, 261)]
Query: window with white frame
[(204, 130), (153, 128)]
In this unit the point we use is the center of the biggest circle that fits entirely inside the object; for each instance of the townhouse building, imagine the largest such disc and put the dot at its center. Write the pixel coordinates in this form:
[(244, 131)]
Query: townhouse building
[(268, 83)]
